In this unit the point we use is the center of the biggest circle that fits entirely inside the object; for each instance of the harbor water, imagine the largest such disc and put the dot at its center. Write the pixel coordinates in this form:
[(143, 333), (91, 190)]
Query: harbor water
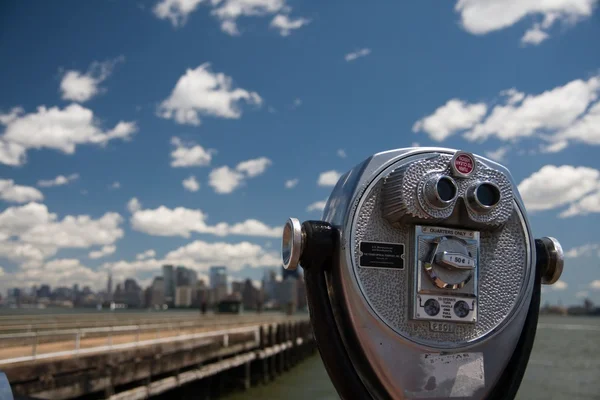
[(565, 364)]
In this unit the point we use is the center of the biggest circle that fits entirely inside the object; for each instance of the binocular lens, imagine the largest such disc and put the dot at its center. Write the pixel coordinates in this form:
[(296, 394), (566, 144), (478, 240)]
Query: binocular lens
[(488, 194), (446, 189)]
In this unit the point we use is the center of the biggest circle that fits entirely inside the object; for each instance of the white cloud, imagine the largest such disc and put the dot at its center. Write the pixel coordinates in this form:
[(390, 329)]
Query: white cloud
[(552, 111), (329, 178), (290, 183), (286, 24), (175, 11), (134, 205), (595, 284), (189, 154), (11, 192), (357, 54), (587, 128), (297, 103), (553, 186), (228, 12), (316, 206), (558, 116), (534, 36), (56, 129), (559, 285), (31, 233), (103, 252), (58, 181), (202, 92), (583, 250), (115, 185), (200, 256), (454, 116), (60, 272), (254, 167), (225, 180), (181, 221), (499, 154), (150, 253), (341, 153), (582, 294), (81, 87), (587, 205), (191, 184), (483, 16)]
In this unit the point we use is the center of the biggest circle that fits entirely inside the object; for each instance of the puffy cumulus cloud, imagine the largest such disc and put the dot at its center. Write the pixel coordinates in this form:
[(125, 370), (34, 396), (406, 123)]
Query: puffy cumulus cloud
[(290, 183), (60, 180), (357, 54), (254, 167), (9, 191), (225, 179), (115, 185), (587, 205), (483, 16), (201, 92), (499, 154), (189, 154), (552, 111), (29, 234), (316, 206), (191, 184), (59, 272), (180, 221), (328, 178), (229, 11), (454, 116), (553, 187), (559, 285), (176, 11), (81, 87), (564, 114), (55, 128), (341, 153), (583, 250), (200, 256), (595, 284), (286, 25), (103, 252), (150, 253), (134, 205)]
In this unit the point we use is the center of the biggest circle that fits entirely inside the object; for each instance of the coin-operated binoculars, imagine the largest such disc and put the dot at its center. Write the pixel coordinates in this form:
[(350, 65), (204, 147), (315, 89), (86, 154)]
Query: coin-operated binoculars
[(423, 279)]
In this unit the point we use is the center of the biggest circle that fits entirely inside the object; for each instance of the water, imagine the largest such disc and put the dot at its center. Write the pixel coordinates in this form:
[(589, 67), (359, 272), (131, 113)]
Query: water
[(564, 364)]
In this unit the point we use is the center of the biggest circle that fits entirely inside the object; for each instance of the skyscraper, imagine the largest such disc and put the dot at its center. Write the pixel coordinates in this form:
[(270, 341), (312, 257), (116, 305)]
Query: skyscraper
[(218, 282), (109, 289), (169, 282)]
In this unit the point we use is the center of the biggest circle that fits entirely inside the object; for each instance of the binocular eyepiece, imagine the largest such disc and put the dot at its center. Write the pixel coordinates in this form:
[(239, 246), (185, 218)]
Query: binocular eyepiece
[(423, 278)]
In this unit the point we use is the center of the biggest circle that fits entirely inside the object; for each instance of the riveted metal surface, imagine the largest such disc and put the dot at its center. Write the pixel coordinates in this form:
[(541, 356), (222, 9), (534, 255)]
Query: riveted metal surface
[(504, 258), (403, 191)]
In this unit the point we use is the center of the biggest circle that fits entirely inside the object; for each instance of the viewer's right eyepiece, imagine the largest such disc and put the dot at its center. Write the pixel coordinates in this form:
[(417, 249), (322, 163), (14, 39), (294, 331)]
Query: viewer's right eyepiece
[(483, 196)]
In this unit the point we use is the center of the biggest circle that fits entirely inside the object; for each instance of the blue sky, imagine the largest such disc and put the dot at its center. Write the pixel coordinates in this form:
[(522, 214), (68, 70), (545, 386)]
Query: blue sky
[(245, 95)]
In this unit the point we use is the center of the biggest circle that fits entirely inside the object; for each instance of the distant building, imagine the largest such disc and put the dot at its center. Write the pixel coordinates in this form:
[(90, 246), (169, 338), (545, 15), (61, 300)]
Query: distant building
[(109, 288), (185, 277), (155, 293), (169, 284), (250, 295), (218, 283), (131, 294), (184, 296)]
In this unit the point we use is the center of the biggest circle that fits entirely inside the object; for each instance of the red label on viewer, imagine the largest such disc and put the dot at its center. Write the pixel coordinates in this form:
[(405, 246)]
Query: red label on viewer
[(464, 164)]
